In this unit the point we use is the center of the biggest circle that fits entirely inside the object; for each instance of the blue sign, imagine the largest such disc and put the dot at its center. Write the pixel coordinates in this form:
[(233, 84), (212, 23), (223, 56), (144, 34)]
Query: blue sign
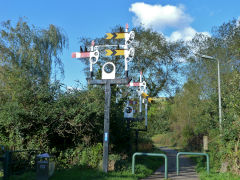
[(105, 136)]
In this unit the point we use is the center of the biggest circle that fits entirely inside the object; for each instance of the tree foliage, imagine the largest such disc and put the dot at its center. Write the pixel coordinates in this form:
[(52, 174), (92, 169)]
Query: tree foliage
[(36, 111), (30, 50)]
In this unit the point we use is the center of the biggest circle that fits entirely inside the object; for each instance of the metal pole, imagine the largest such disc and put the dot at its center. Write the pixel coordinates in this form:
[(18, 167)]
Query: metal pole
[(136, 142), (140, 97), (106, 124), (166, 167), (177, 164), (219, 88), (219, 97), (207, 158), (128, 130), (146, 112)]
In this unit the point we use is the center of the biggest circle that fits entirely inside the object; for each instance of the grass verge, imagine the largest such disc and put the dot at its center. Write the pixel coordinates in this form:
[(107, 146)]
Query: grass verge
[(144, 166), (217, 176), (213, 175)]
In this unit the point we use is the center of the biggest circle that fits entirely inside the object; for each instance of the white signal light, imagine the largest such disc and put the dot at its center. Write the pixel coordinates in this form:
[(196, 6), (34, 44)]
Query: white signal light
[(128, 112)]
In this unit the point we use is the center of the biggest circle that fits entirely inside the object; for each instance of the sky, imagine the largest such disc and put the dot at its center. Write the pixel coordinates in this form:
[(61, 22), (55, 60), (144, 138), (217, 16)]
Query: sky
[(176, 19)]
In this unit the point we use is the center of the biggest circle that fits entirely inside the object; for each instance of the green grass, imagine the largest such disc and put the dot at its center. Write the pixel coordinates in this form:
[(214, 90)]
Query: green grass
[(144, 166), (213, 175), (217, 176), (80, 174)]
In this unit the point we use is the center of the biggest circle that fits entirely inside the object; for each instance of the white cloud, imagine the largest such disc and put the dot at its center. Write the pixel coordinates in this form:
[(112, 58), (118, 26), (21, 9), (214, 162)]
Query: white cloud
[(185, 34), (238, 22), (158, 16)]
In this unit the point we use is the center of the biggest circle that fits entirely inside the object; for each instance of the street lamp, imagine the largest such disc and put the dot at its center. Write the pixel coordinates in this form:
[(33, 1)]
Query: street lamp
[(219, 88)]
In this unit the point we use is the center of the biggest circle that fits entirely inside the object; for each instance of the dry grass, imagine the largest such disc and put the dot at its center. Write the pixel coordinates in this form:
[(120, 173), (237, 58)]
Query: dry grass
[(163, 139), (145, 147)]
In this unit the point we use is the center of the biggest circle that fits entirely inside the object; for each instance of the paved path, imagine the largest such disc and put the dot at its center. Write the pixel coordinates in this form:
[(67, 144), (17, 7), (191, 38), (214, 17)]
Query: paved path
[(187, 168)]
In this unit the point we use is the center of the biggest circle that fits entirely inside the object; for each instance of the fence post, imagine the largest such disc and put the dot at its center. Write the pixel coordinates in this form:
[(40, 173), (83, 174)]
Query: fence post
[(207, 156), (6, 166), (166, 167), (177, 163)]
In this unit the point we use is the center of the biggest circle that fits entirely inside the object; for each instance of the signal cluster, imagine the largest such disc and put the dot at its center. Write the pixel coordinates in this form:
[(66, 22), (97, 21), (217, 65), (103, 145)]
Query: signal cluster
[(129, 111), (108, 76), (127, 50)]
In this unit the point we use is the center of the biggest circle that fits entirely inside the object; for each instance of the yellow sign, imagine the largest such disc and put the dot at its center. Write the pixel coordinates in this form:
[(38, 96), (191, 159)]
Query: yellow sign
[(115, 35), (116, 52), (108, 52), (145, 95), (150, 100)]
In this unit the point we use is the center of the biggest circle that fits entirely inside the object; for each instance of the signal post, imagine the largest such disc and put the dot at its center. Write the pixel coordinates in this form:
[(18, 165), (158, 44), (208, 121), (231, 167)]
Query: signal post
[(108, 78)]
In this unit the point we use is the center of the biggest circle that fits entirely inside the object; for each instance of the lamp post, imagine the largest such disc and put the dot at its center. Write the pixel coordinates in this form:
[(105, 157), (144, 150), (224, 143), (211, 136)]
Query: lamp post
[(219, 88)]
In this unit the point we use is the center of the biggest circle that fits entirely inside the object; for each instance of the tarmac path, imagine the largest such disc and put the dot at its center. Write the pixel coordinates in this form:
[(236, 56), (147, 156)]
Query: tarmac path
[(186, 172)]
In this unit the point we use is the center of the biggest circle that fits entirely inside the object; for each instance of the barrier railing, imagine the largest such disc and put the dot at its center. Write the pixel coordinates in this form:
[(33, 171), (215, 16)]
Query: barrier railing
[(192, 153), (150, 154)]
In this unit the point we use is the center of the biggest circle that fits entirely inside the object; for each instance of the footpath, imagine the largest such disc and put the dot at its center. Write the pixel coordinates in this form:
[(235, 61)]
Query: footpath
[(187, 168)]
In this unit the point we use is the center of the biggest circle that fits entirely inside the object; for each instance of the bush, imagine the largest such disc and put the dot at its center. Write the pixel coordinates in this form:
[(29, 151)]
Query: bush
[(91, 156), (81, 156)]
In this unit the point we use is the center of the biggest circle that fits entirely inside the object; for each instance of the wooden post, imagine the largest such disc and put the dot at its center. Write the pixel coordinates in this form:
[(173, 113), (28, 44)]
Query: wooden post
[(106, 125), (205, 143), (107, 83)]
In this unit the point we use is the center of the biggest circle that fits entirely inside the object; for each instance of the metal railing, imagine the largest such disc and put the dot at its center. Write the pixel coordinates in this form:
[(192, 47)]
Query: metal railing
[(150, 154), (192, 153), (17, 162)]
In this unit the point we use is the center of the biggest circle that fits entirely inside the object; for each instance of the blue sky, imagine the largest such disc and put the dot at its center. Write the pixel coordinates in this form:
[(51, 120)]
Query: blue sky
[(176, 19)]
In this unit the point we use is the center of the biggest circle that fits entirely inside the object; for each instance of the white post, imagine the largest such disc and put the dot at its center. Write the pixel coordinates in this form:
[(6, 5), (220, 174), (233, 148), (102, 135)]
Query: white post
[(219, 97), (140, 96)]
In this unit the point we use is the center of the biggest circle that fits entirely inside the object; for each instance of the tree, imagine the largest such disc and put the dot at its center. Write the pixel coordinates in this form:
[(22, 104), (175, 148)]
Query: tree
[(224, 46), (27, 56), (30, 51), (160, 60)]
